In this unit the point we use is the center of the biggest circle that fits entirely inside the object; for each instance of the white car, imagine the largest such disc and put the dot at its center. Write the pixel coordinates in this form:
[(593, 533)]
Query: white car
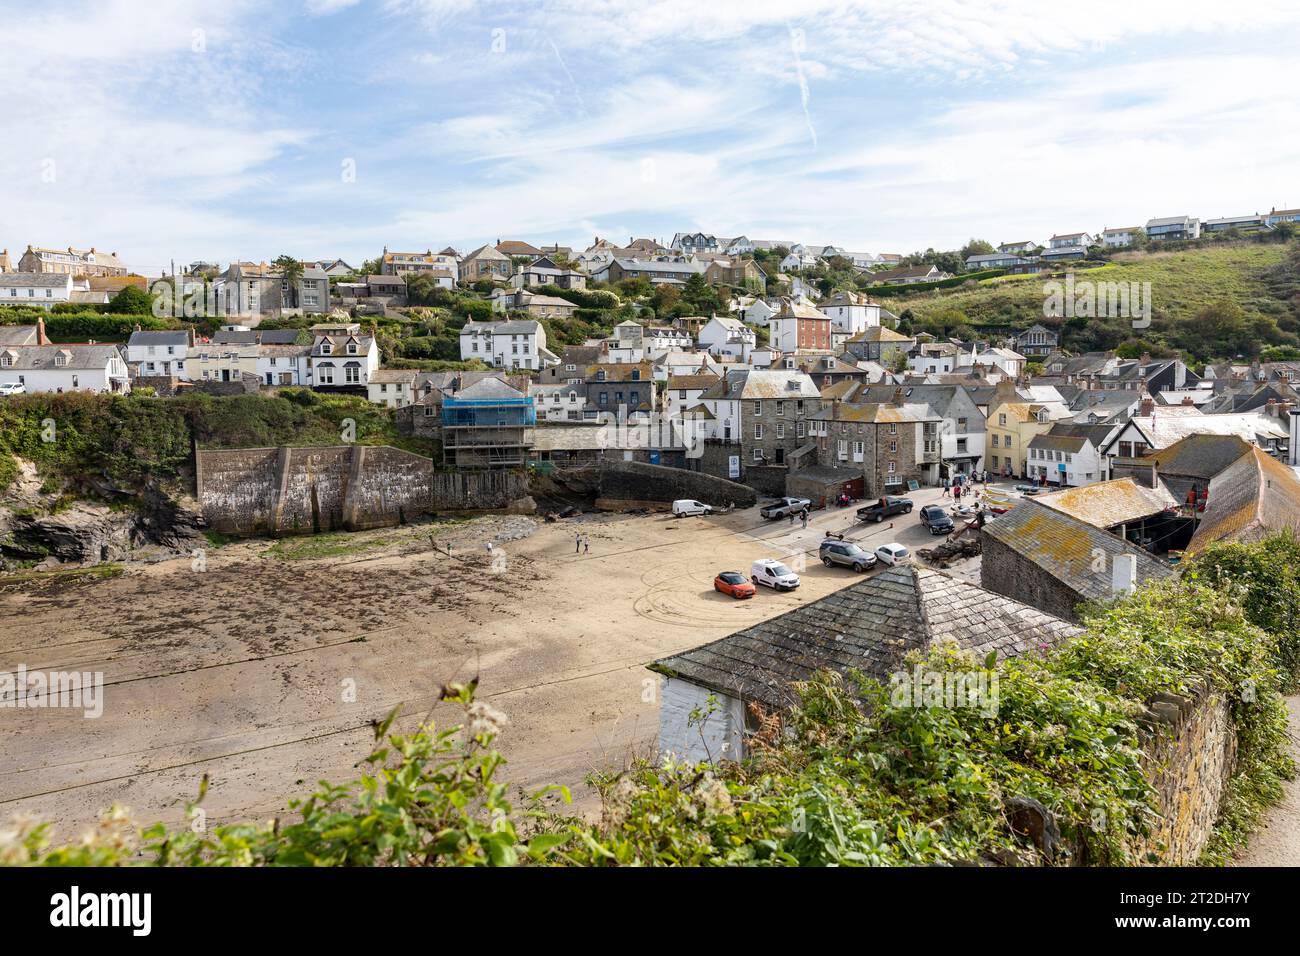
[(774, 574), (684, 507), (892, 553), (12, 388)]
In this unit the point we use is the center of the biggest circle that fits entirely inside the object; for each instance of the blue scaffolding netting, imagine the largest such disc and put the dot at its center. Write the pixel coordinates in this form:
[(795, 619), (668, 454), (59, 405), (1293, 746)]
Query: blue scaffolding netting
[(489, 412)]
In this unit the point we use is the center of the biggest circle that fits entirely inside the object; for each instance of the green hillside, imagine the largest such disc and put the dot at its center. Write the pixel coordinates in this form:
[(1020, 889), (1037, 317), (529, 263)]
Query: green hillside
[(1208, 303)]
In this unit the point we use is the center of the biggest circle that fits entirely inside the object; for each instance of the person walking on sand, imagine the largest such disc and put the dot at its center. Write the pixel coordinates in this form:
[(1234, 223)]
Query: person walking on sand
[(489, 547), (586, 544), (577, 543), (804, 515)]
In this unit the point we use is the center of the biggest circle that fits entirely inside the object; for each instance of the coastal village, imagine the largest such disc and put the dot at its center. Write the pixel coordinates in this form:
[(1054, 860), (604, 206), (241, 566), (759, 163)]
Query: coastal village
[(710, 466)]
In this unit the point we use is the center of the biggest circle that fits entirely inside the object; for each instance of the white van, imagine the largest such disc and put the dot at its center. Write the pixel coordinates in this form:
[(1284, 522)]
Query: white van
[(774, 574), (685, 507)]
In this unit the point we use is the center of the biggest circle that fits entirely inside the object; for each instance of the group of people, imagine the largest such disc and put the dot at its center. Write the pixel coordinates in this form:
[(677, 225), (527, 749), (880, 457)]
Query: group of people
[(581, 543), (963, 484), (803, 516)]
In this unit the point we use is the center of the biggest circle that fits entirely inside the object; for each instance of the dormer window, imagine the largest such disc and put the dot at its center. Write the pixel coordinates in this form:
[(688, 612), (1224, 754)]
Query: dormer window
[(636, 375), (352, 348), (7, 359), (326, 348), (61, 359)]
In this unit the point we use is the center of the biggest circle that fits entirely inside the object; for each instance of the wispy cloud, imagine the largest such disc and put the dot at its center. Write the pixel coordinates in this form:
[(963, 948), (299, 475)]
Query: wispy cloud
[(207, 130)]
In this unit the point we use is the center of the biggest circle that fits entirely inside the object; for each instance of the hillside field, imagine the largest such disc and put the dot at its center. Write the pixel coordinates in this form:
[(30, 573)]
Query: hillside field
[(1209, 303)]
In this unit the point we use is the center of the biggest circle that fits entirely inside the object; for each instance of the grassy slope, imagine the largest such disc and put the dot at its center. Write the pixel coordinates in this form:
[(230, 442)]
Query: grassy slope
[(1181, 284)]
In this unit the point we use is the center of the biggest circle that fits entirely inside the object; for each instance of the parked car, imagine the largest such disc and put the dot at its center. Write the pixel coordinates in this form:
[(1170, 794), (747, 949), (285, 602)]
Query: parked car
[(684, 507), (892, 553), (936, 519), (12, 388), (774, 574), (733, 583), (847, 554), (783, 507), (882, 509)]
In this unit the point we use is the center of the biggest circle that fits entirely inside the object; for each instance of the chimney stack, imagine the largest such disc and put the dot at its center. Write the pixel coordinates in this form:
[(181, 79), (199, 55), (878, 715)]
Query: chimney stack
[(1123, 576), (1147, 407), (898, 396), (40, 332)]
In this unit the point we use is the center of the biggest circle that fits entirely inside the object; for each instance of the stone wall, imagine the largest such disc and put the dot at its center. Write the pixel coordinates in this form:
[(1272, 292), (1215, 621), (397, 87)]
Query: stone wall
[(1191, 752), (1007, 572), (634, 484), (351, 487)]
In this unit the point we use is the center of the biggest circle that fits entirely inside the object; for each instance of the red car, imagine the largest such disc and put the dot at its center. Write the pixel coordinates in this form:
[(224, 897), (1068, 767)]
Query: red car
[(733, 583)]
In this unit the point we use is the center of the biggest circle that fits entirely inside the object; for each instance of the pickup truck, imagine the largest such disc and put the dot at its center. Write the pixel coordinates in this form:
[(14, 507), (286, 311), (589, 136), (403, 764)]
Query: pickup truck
[(882, 509), (783, 507)]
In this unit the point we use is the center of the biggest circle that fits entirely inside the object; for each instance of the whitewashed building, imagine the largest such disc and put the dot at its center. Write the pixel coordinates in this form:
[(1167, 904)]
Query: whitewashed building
[(514, 343), (161, 354), (723, 335), (392, 387), (65, 368), (42, 289), (342, 355), (851, 312)]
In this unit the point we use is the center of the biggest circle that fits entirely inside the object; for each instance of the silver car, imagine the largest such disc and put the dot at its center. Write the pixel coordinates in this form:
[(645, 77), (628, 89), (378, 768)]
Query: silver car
[(847, 554)]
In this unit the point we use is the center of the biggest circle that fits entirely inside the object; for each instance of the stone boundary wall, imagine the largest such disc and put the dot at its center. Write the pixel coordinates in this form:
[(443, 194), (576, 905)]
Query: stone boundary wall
[(338, 487), (1191, 753), (633, 484)]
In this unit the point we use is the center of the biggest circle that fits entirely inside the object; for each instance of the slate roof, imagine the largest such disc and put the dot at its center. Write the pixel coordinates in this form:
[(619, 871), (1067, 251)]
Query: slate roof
[(159, 338), (506, 326), (869, 626), (234, 337), (1105, 504), (878, 333), (41, 280), (1067, 548), (1199, 456), (279, 336), (689, 382), (80, 357), (1252, 498), (17, 335)]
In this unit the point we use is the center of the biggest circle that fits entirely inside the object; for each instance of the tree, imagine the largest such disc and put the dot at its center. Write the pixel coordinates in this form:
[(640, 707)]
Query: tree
[(131, 300), (700, 296), (290, 274), (976, 247)]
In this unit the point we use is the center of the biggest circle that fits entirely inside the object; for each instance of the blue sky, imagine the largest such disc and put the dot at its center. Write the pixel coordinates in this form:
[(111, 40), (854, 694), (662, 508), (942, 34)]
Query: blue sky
[(193, 130)]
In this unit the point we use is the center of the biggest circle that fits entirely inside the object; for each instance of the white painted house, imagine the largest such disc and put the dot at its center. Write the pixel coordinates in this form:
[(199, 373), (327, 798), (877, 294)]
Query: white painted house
[(159, 353), (515, 343), (392, 387), (758, 312), (342, 355), (851, 312), (1065, 460), (723, 335), (41, 289), (65, 368)]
